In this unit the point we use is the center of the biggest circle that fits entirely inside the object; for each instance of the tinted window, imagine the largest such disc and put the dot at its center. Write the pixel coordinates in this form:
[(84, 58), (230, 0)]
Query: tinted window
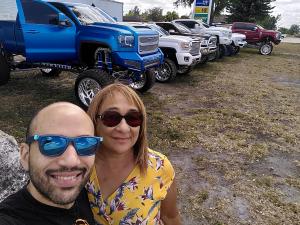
[(88, 14), (39, 13), (251, 27), (244, 26), (63, 9), (189, 24)]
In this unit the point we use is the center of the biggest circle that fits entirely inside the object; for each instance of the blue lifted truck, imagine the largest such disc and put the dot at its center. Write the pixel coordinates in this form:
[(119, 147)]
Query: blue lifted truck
[(55, 36)]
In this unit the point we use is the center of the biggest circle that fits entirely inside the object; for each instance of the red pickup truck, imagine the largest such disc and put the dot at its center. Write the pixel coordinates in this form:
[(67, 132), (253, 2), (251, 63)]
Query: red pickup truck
[(257, 36)]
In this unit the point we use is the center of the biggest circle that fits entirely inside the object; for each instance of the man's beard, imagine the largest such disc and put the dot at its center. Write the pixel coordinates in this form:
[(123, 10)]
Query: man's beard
[(55, 194)]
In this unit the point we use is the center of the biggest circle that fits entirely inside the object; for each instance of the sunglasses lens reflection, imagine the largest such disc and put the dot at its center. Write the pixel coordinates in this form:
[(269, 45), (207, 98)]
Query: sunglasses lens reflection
[(113, 118)]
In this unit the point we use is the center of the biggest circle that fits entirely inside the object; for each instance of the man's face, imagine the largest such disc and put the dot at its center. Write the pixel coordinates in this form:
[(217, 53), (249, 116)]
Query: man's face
[(59, 180)]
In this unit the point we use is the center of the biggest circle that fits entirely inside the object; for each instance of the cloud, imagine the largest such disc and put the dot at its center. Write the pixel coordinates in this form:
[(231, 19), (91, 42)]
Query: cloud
[(289, 11), (166, 5)]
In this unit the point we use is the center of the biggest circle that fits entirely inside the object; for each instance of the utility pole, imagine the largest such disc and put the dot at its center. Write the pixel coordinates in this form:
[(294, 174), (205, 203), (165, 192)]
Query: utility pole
[(212, 12)]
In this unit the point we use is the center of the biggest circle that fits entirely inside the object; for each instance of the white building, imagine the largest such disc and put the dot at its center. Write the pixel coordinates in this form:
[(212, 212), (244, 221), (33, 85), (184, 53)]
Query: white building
[(8, 8)]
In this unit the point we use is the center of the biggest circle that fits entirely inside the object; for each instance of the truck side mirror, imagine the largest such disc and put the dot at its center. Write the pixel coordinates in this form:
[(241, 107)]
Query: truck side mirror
[(172, 31), (63, 20), (255, 29)]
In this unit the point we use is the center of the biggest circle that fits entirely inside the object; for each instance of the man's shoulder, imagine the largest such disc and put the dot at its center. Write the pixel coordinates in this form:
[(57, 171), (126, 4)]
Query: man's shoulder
[(9, 208), (12, 200), (8, 220)]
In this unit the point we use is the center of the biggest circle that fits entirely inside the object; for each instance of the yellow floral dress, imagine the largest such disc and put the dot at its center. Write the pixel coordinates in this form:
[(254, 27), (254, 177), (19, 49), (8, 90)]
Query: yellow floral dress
[(137, 200)]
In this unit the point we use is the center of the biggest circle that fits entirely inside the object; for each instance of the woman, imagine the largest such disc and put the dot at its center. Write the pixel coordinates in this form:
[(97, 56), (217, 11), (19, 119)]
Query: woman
[(130, 184)]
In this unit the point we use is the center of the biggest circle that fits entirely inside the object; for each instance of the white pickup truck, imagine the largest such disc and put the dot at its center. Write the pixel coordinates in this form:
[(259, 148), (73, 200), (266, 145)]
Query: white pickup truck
[(181, 53), (224, 35), (238, 42)]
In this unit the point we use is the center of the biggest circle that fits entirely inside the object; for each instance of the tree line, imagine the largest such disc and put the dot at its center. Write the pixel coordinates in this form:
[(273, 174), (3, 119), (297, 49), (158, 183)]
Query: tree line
[(154, 14), (257, 11)]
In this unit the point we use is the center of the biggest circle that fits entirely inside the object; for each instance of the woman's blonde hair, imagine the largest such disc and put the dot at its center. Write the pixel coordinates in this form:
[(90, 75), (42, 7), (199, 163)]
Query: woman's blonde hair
[(141, 146)]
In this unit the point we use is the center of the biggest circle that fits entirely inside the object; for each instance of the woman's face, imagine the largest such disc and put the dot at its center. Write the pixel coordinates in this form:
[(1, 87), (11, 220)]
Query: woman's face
[(122, 137)]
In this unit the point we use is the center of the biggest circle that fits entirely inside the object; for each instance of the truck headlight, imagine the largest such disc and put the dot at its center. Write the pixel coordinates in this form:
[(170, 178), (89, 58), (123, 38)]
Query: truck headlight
[(126, 41), (186, 46)]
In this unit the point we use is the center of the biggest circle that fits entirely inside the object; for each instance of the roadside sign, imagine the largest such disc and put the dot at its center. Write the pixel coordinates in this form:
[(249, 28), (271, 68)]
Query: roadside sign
[(201, 10)]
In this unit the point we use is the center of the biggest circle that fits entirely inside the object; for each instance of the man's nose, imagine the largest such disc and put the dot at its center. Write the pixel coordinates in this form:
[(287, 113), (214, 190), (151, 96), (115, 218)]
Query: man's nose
[(69, 158)]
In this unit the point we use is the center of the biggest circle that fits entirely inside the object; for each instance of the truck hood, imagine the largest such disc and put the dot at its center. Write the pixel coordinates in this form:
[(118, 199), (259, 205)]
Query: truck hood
[(222, 29), (238, 35), (269, 31), (176, 38), (124, 29)]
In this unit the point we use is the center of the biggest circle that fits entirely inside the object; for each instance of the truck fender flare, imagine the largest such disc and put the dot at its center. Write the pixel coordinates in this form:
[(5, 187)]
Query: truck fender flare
[(169, 53), (87, 51)]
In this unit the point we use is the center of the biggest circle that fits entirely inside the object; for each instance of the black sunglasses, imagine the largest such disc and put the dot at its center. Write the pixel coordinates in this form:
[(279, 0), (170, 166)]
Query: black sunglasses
[(113, 118)]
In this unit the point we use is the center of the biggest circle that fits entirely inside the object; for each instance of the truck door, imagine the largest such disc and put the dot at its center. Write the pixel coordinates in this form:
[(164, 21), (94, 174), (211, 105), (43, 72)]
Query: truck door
[(253, 33), (49, 35)]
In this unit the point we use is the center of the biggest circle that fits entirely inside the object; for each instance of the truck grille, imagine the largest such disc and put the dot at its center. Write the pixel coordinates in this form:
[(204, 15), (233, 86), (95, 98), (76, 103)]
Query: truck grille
[(148, 44), (195, 48), (212, 42)]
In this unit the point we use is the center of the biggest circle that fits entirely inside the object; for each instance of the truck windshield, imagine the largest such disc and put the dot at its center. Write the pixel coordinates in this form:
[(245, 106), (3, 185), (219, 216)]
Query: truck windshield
[(182, 28), (88, 14), (161, 31)]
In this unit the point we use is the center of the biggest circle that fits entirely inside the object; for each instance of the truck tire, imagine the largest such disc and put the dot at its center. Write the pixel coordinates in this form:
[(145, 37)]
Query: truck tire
[(216, 55), (50, 72), (4, 70), (229, 50), (147, 81), (186, 70), (88, 83), (166, 72), (204, 59), (236, 50), (222, 51), (266, 48)]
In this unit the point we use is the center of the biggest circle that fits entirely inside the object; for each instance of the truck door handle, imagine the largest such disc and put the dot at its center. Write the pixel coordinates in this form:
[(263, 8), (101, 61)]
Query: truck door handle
[(32, 32)]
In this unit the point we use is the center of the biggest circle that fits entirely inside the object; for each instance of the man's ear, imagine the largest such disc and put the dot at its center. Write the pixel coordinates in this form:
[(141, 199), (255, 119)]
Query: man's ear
[(24, 156)]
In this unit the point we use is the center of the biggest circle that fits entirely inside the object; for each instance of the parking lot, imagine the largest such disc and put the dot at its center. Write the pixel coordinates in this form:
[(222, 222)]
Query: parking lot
[(231, 129)]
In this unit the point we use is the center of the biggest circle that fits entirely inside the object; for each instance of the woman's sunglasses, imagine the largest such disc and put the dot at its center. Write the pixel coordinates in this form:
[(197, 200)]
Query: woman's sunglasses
[(56, 145), (113, 118)]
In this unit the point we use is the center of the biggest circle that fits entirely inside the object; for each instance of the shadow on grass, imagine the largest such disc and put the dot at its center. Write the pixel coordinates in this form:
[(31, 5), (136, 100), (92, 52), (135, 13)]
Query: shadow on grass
[(28, 92)]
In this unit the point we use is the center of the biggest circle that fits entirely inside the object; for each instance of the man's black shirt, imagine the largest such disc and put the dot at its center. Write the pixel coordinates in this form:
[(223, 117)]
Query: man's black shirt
[(22, 209)]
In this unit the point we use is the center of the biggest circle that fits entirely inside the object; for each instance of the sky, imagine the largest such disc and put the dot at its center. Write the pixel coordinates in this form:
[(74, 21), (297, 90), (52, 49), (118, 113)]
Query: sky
[(288, 9)]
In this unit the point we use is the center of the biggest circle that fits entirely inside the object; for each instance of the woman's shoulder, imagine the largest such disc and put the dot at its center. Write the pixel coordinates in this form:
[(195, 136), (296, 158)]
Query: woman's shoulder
[(159, 163), (155, 154)]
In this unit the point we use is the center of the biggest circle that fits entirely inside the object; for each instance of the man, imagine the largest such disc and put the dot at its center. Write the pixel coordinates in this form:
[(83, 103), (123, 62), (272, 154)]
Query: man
[(58, 155)]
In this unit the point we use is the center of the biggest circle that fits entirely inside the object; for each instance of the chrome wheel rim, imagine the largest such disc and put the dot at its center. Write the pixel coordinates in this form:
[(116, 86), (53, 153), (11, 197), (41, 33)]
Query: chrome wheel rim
[(266, 49), (164, 72), (139, 84), (87, 89), (46, 70)]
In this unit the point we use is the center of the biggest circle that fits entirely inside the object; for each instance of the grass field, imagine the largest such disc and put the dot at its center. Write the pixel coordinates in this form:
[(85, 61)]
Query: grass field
[(231, 129)]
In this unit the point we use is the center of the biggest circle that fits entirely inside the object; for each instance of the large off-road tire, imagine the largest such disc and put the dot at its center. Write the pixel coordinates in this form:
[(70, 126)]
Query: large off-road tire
[(229, 50), (266, 48), (222, 51), (216, 54), (166, 72), (50, 72), (185, 70), (204, 59), (147, 81), (236, 50), (4, 70), (88, 83)]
